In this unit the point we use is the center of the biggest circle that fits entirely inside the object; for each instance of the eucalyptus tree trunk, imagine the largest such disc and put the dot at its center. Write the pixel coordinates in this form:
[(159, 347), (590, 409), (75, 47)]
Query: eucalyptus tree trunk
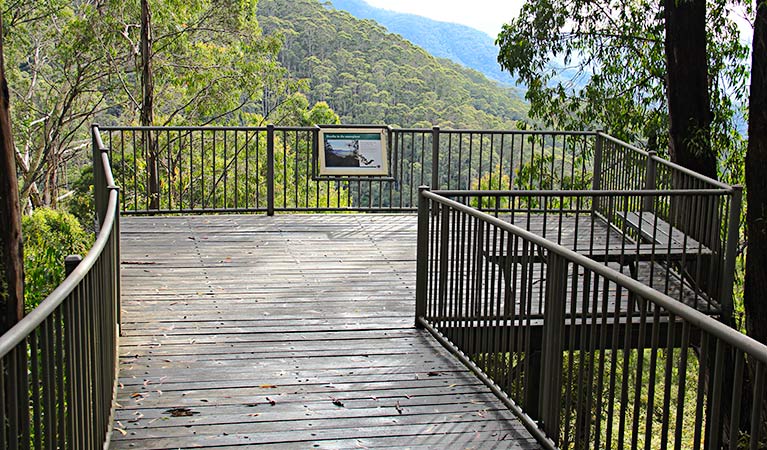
[(755, 287), (147, 106), (689, 109), (11, 255), (689, 104)]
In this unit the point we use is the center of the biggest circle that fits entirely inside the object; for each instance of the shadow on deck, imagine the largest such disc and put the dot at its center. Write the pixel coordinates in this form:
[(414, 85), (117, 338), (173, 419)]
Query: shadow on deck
[(288, 331)]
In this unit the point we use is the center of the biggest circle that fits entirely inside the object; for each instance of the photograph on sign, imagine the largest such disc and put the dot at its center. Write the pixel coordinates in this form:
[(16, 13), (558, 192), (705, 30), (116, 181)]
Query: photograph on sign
[(353, 152)]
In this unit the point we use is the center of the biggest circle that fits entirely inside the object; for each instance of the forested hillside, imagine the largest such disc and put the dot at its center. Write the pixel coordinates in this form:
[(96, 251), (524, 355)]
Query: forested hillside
[(458, 43), (368, 75), (246, 63)]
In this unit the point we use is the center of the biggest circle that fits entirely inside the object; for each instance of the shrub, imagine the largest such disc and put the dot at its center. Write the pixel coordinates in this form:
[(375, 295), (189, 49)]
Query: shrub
[(49, 236), (81, 204)]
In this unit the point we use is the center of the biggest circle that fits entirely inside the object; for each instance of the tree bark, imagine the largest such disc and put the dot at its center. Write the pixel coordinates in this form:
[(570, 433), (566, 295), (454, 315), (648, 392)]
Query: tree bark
[(689, 104), (147, 105), (11, 254), (755, 286)]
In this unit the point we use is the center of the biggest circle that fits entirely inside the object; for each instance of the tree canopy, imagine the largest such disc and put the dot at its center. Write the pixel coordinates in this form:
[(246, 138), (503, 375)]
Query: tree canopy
[(601, 65)]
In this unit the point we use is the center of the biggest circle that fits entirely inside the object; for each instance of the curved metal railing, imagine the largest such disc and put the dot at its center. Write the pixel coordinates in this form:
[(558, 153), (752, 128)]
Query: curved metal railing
[(58, 365), (587, 356)]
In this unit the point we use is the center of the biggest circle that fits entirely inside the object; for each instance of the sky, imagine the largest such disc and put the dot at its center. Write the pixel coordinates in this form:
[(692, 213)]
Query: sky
[(484, 15), (490, 15)]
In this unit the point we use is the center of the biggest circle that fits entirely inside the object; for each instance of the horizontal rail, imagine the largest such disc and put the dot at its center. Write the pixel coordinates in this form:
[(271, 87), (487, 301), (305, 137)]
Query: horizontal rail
[(521, 132), (578, 193)]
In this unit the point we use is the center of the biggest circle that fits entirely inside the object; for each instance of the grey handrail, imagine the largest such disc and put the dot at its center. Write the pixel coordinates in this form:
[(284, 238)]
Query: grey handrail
[(578, 193)]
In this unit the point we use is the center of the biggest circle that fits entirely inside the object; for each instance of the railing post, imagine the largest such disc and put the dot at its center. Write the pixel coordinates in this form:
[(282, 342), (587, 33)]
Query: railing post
[(596, 180), (552, 343), (733, 236), (270, 170), (99, 179), (115, 265), (70, 263), (650, 177), (435, 158), (596, 171), (422, 256)]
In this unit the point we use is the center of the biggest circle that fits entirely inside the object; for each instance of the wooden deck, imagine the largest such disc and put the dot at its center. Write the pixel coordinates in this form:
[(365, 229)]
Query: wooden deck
[(292, 331)]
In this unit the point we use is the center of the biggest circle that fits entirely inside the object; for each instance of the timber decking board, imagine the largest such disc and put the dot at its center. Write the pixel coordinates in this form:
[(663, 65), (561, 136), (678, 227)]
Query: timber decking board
[(292, 331)]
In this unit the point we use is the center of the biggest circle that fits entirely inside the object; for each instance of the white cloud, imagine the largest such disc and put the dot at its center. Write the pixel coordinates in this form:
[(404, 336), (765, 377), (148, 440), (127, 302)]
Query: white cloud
[(484, 15)]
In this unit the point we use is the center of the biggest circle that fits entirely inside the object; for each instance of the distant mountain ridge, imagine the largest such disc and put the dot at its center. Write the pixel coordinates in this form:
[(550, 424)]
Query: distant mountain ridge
[(368, 75), (458, 43)]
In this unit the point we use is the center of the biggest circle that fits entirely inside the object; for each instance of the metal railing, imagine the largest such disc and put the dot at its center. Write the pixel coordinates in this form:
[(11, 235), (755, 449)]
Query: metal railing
[(581, 351), (636, 232), (619, 165), (267, 169), (586, 356), (58, 365)]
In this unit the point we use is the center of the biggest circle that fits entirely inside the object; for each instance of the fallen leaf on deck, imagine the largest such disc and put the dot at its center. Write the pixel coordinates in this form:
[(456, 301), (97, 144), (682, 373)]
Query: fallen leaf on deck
[(254, 414), (123, 432), (435, 374), (268, 386), (398, 407), (271, 402), (181, 412), (337, 402)]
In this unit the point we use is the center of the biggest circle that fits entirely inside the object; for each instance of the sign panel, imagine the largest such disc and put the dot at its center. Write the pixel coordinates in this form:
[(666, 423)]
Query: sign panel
[(354, 152)]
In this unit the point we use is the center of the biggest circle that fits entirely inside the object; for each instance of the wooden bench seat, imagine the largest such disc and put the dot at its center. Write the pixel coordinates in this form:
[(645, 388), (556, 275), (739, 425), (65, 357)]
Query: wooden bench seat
[(663, 235), (660, 243)]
